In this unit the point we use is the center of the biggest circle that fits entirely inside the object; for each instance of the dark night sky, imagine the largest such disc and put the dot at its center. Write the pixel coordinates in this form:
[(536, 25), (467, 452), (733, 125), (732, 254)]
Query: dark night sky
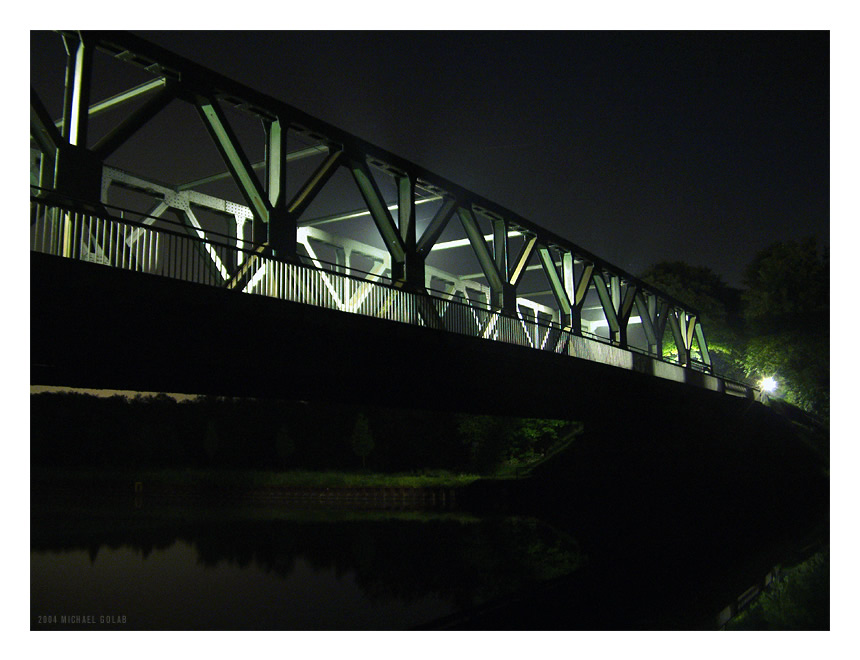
[(638, 146)]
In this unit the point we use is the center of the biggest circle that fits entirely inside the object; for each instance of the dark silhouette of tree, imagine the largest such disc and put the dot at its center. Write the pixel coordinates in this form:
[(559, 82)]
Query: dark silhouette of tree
[(362, 439), (285, 443)]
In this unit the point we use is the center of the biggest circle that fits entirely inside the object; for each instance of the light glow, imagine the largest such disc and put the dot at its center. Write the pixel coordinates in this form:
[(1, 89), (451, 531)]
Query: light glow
[(769, 385)]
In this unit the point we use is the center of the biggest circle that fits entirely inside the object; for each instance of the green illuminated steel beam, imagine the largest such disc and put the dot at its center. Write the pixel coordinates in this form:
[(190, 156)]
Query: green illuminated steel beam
[(646, 308), (406, 211), (576, 291), (485, 259), (689, 332), (624, 310), (500, 254), (584, 283), (556, 286), (235, 159), (378, 210), (500, 245), (281, 230), (308, 192), (606, 302), (413, 273), (118, 99), (115, 138), (76, 99), (678, 325), (436, 227), (703, 345), (661, 315), (519, 265), (276, 170)]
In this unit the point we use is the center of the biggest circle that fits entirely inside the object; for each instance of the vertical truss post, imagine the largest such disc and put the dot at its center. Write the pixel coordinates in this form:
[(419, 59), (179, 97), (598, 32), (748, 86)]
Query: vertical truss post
[(501, 256), (282, 224), (76, 99), (77, 172), (500, 245), (624, 307), (413, 273), (576, 291)]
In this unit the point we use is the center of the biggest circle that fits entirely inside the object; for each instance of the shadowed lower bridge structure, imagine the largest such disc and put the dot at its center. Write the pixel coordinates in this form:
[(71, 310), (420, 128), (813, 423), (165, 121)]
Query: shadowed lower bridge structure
[(189, 234)]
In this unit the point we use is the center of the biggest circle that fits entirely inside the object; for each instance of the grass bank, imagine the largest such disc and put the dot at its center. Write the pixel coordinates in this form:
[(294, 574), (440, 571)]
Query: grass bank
[(799, 600)]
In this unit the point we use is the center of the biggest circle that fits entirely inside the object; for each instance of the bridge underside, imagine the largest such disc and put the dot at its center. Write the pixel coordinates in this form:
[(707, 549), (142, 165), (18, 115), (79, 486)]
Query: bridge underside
[(98, 327)]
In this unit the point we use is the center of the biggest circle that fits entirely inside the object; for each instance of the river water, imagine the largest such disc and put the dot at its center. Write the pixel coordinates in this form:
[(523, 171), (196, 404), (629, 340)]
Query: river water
[(273, 567), (134, 564)]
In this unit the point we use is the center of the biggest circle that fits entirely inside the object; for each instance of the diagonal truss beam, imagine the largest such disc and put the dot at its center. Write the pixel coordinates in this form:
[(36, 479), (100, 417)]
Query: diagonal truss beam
[(436, 227), (378, 210), (315, 183), (42, 129), (235, 159), (556, 286), (118, 99), (520, 264), (646, 310), (479, 246), (703, 345), (117, 137)]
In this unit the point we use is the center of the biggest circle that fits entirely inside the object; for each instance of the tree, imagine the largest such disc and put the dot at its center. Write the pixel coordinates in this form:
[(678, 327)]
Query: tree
[(285, 444), (362, 438), (787, 309)]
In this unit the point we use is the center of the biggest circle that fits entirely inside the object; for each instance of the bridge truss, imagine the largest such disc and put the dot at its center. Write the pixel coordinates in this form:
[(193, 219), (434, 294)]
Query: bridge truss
[(181, 172)]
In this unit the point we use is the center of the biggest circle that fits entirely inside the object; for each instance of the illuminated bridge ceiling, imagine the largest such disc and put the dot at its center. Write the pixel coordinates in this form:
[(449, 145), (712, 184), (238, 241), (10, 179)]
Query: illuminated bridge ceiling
[(127, 128)]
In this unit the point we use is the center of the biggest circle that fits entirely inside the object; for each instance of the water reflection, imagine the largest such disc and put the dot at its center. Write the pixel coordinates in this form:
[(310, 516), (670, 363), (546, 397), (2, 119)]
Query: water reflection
[(273, 569)]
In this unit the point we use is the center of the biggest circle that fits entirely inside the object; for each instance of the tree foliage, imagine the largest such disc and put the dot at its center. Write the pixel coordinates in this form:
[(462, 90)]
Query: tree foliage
[(777, 326), (787, 309), (787, 283)]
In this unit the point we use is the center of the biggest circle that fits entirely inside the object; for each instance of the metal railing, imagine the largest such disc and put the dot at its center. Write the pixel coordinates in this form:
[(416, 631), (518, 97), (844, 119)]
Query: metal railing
[(178, 252)]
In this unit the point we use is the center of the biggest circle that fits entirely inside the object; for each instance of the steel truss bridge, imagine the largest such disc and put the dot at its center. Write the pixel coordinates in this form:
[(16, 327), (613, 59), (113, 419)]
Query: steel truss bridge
[(178, 172)]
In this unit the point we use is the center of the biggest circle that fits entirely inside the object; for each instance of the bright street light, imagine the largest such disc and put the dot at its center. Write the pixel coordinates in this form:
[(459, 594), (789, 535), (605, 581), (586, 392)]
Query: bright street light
[(769, 385)]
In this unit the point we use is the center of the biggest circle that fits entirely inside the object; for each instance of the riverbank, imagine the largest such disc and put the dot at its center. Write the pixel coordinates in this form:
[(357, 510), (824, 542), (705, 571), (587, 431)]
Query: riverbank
[(51, 487), (204, 477)]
